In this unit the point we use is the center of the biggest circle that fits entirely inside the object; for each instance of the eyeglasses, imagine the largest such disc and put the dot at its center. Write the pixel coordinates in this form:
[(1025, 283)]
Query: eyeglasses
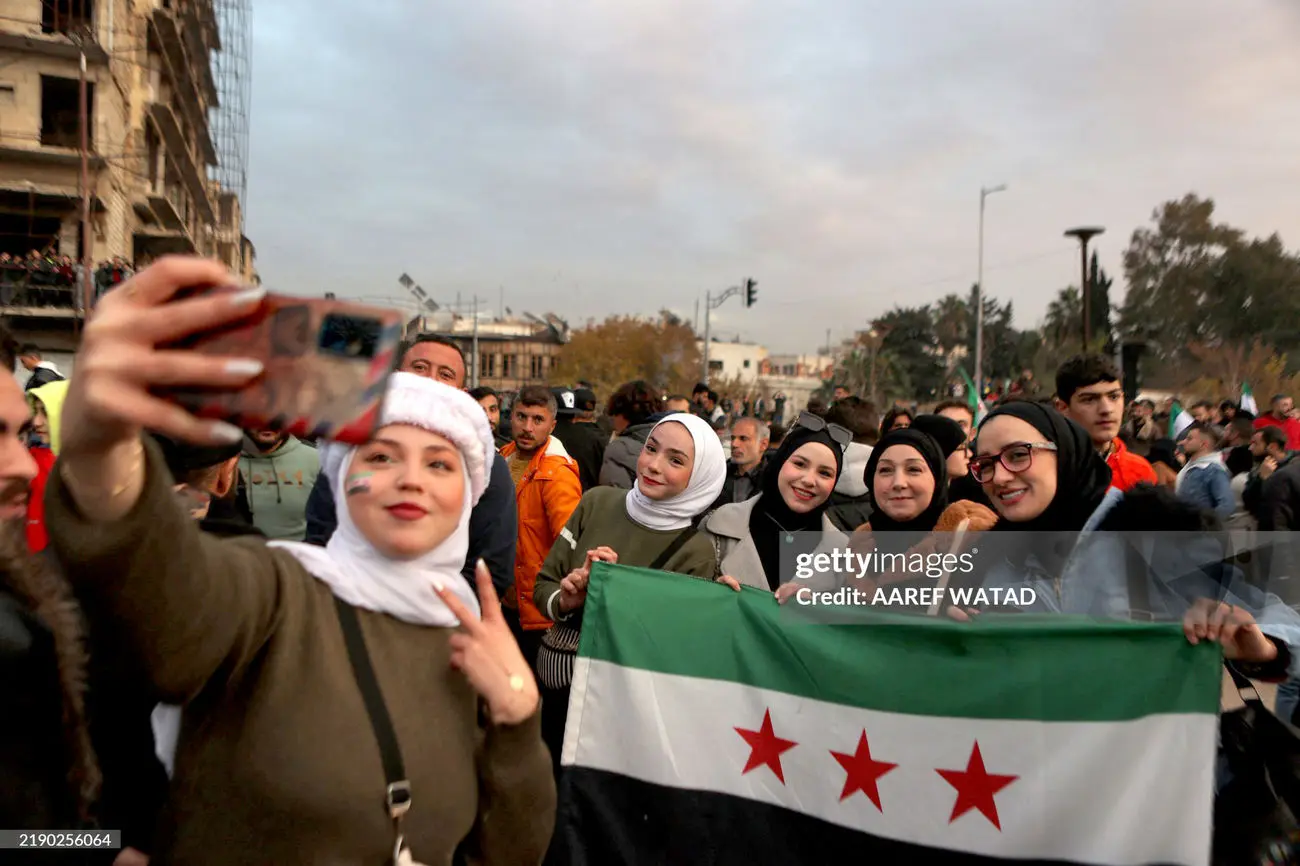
[(1016, 458), (841, 436)]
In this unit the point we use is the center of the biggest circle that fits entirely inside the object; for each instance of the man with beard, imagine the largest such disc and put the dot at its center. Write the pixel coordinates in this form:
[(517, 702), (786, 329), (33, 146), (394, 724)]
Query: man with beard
[(51, 778), (547, 490), (278, 473)]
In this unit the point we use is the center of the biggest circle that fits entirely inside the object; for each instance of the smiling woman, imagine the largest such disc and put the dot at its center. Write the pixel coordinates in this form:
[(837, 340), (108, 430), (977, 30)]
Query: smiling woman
[(277, 652), (680, 472)]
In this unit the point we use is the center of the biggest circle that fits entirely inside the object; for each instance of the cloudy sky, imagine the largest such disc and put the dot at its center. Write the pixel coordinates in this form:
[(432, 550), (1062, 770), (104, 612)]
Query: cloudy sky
[(590, 157)]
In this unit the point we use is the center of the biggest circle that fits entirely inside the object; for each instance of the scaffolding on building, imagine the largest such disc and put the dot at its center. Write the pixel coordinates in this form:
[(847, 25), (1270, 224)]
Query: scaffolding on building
[(233, 66)]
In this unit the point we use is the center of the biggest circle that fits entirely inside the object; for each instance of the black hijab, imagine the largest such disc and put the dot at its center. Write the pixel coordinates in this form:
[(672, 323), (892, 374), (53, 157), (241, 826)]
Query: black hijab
[(771, 515), (1082, 476), (949, 435), (946, 432), (893, 536)]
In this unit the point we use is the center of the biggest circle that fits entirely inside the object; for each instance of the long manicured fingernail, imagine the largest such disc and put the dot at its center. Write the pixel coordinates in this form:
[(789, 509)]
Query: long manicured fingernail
[(438, 585), (226, 432), (244, 367), (246, 296), (481, 565)]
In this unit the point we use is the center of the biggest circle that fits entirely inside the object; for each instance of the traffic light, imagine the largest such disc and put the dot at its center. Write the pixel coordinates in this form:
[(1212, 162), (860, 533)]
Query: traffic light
[(751, 292)]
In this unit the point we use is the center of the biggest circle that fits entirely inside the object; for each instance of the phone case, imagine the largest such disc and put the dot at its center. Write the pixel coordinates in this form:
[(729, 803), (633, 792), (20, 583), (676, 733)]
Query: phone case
[(326, 368)]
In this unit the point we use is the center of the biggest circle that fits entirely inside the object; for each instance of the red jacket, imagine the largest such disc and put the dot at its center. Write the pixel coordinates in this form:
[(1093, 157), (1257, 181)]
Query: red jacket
[(36, 537), (1290, 425), (1126, 468), (546, 498)]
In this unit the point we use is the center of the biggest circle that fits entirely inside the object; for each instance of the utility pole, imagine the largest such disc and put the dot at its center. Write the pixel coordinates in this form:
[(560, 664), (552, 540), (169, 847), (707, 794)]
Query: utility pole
[(985, 192), (747, 292), (474, 377), (83, 112)]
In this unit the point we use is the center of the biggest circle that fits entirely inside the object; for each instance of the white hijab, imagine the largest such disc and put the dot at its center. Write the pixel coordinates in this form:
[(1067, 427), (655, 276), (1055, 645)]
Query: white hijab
[(707, 476), (350, 565)]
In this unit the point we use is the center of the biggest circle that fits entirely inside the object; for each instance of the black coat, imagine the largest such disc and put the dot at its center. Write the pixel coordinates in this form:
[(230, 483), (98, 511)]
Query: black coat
[(585, 443)]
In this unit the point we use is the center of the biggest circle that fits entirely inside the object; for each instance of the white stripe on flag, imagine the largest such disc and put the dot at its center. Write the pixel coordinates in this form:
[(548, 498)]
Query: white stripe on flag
[(1090, 792)]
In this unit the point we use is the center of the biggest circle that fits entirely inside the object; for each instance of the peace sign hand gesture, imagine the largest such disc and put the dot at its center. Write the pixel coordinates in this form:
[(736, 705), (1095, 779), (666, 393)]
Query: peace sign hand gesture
[(487, 654)]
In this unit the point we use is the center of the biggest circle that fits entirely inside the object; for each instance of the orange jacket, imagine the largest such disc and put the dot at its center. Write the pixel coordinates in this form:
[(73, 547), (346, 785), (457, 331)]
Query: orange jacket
[(545, 499), (1127, 469)]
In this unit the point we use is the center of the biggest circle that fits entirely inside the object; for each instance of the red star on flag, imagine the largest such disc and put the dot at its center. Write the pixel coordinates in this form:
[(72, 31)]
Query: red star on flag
[(765, 747), (976, 787), (863, 772)]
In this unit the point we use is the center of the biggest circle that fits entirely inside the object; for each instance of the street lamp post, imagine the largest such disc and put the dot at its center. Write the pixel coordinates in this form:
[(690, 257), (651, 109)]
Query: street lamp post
[(1085, 234), (985, 192)]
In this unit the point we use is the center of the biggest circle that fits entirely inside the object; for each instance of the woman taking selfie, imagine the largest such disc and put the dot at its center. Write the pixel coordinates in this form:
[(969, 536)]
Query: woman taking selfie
[(341, 704), (679, 474), (1052, 489), (793, 493)]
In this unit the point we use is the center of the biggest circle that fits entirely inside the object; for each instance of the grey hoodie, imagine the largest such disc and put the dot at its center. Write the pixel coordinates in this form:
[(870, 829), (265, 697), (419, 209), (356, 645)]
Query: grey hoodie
[(277, 484)]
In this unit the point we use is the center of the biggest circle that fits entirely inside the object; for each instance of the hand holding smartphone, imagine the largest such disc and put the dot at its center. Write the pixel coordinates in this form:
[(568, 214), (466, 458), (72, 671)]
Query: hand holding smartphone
[(326, 367)]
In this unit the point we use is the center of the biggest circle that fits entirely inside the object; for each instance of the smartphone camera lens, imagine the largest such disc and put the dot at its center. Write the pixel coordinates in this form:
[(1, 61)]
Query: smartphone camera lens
[(349, 336)]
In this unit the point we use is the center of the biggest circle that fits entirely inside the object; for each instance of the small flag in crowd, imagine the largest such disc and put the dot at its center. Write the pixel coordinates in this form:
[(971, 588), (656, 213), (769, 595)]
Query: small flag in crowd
[(708, 726), (1248, 399), (973, 399), (1179, 420)]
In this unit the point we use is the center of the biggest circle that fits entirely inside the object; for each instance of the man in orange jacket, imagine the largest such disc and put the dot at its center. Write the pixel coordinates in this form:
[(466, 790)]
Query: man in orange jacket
[(1089, 392), (547, 490)]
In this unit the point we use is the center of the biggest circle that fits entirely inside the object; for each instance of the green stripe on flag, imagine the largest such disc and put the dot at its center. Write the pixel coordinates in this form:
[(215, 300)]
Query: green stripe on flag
[(1017, 666)]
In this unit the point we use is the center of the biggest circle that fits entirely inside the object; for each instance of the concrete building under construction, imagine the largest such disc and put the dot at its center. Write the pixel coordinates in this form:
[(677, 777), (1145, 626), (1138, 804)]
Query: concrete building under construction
[(118, 99)]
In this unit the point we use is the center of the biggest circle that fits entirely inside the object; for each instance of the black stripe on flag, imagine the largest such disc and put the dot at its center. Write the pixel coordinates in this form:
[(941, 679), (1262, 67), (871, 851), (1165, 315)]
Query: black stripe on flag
[(607, 819)]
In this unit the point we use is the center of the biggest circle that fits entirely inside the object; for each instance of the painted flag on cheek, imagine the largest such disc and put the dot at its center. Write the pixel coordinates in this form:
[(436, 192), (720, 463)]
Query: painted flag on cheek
[(713, 727)]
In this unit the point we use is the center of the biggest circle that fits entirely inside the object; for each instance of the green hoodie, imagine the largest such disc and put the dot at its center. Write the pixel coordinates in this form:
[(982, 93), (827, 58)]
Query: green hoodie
[(278, 484)]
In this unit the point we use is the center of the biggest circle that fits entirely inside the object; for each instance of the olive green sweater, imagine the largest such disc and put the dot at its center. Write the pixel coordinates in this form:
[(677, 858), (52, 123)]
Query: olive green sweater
[(601, 519), (277, 761)]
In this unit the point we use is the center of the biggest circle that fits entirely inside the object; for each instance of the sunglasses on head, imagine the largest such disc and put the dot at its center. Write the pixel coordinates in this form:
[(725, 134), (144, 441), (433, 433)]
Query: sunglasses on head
[(841, 436)]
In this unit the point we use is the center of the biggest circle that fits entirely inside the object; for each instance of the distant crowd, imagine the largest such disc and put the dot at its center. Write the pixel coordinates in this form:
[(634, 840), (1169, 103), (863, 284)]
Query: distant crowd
[(45, 279)]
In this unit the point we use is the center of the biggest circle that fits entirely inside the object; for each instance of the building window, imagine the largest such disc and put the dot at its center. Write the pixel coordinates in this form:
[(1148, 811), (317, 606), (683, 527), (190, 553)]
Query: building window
[(61, 112), (715, 366), (746, 363), (489, 366), (69, 17), (507, 366), (538, 363)]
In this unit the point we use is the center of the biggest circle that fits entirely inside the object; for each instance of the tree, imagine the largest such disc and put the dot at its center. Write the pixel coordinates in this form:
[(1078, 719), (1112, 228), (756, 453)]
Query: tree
[(909, 336), (1063, 324), (1099, 307), (1170, 274), (954, 325), (622, 349)]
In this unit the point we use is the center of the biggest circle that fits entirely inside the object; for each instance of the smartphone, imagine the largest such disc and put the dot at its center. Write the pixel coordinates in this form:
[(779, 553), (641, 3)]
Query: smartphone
[(327, 364)]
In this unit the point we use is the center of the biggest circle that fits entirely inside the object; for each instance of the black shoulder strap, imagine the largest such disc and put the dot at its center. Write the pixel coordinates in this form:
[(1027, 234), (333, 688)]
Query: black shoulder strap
[(673, 546), (399, 787)]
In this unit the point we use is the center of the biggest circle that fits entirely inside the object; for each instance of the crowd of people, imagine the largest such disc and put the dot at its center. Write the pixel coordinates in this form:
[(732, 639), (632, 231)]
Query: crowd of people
[(46, 279), (237, 646)]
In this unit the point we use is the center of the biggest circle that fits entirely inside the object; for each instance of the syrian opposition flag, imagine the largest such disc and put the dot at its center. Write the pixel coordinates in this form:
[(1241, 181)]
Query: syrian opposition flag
[(714, 727), (1248, 399), (1179, 420), (973, 399)]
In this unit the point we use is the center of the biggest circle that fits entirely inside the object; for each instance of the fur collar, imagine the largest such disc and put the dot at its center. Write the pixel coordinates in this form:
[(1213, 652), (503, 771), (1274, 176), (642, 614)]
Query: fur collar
[(36, 582)]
